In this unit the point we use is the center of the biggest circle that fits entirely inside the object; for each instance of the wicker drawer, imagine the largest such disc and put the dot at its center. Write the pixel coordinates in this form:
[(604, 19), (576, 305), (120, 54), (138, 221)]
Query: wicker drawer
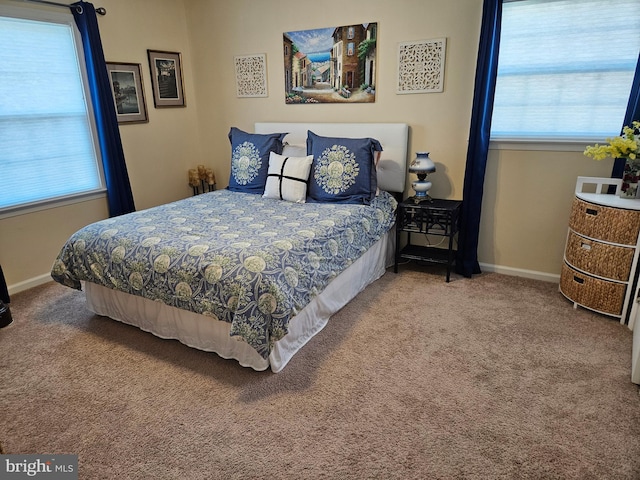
[(591, 292), (615, 225), (601, 259)]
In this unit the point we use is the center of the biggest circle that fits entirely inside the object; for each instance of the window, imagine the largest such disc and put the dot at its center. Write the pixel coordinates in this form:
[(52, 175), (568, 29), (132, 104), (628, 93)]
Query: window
[(350, 49), (565, 69), (47, 141), (351, 32)]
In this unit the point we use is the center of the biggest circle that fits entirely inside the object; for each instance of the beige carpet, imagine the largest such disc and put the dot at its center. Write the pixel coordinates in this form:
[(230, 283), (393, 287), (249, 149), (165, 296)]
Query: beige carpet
[(494, 377)]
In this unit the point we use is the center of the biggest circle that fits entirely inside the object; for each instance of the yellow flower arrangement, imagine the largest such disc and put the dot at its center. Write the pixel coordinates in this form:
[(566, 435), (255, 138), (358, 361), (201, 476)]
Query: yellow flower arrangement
[(625, 146)]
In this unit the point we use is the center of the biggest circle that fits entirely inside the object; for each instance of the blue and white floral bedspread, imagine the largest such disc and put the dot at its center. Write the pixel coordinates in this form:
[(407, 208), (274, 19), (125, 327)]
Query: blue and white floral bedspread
[(236, 257)]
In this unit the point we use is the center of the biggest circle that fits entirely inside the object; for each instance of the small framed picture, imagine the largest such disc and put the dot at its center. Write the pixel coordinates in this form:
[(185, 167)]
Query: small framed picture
[(128, 95), (166, 78)]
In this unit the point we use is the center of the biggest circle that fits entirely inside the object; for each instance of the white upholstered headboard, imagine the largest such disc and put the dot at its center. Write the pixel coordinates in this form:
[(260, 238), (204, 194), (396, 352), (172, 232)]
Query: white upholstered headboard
[(392, 167)]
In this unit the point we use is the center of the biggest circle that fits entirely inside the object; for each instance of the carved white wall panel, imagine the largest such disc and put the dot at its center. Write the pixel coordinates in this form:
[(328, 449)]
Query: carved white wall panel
[(421, 66), (251, 75)]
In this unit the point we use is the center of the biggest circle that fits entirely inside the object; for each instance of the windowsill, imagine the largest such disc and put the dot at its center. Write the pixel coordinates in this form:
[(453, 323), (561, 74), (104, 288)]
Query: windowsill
[(53, 204), (546, 145)]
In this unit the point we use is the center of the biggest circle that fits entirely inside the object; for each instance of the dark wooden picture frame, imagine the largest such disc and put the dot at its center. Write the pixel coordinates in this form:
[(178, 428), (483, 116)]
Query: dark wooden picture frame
[(166, 78), (128, 92)]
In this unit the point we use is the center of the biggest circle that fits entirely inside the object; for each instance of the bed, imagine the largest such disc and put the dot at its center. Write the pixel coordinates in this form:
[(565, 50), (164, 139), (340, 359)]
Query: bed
[(251, 277)]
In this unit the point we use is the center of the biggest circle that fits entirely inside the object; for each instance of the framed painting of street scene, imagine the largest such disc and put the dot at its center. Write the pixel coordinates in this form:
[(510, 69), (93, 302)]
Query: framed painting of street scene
[(166, 78), (331, 65), (128, 95)]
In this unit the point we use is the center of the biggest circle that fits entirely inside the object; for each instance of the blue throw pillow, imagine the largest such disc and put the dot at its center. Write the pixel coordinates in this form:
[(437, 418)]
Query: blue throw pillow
[(250, 159), (343, 169)]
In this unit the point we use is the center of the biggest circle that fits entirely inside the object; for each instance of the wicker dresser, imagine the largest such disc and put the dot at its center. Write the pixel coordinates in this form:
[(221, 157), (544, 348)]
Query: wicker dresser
[(600, 267)]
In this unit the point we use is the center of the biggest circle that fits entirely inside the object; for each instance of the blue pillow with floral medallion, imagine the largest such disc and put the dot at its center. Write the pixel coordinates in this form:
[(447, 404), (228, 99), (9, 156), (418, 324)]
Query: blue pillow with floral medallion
[(250, 159), (343, 169)]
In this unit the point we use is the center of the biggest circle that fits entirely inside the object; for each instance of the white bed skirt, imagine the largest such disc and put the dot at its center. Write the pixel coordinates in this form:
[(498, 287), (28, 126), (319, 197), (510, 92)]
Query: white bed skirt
[(210, 335)]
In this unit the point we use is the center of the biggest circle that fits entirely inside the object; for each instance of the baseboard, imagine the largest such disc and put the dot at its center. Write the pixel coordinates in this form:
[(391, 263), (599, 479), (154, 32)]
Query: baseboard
[(521, 272), (485, 267), (29, 283)]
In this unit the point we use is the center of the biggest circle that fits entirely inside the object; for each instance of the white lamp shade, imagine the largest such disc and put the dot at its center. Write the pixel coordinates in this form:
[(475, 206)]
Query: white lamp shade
[(422, 163)]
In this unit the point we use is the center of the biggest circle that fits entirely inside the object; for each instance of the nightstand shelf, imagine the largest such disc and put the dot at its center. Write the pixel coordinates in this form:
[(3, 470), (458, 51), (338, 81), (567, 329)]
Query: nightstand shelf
[(436, 217)]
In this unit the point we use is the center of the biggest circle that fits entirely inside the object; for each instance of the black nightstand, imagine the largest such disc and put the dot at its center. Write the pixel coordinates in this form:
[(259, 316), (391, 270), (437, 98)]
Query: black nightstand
[(435, 217)]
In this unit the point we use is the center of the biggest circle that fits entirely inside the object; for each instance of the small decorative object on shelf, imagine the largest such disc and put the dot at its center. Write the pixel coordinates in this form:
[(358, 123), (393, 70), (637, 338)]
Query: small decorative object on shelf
[(630, 178), (625, 146), (422, 165), (202, 179)]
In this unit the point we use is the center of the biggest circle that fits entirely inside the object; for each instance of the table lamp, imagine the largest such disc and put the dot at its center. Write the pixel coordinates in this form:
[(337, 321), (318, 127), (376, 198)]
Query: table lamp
[(422, 165)]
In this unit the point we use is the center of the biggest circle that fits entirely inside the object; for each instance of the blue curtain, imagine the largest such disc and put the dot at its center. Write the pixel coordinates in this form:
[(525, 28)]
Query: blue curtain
[(633, 114), (5, 311), (483, 95), (4, 292), (119, 194)]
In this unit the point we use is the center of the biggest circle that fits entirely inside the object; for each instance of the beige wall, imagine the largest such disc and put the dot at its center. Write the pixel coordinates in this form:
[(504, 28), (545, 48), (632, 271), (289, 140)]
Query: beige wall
[(527, 193), (525, 208), (439, 122), (158, 153)]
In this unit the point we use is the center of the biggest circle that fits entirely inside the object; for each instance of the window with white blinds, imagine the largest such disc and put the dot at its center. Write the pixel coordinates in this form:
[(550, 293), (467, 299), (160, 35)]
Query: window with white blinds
[(565, 69), (48, 149)]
